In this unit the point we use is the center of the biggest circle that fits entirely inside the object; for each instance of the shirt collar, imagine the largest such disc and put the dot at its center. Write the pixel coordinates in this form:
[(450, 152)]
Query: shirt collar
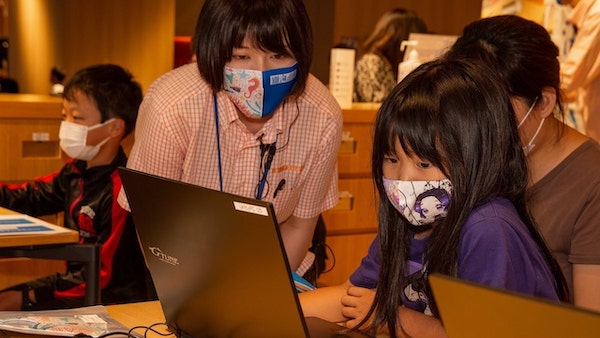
[(279, 124)]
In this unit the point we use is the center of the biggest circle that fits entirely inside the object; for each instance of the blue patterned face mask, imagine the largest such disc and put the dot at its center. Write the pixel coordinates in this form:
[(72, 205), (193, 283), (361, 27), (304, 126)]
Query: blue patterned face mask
[(258, 93), (420, 202)]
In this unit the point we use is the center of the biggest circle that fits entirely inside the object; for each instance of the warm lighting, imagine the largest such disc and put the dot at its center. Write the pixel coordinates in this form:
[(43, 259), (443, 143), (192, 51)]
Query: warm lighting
[(30, 25)]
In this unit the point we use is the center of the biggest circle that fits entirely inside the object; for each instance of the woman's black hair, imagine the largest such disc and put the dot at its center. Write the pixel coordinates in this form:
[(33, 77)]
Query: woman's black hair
[(521, 52), (279, 26)]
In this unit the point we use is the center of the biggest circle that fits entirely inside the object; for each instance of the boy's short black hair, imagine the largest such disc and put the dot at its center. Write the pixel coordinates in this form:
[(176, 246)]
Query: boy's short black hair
[(113, 89)]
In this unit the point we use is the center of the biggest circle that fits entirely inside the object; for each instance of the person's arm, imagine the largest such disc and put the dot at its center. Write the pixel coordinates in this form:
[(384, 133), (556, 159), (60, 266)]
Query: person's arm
[(43, 196), (325, 302), (357, 303), (417, 324), (583, 235), (349, 304), (320, 189), (297, 235), (156, 149), (581, 66), (586, 279)]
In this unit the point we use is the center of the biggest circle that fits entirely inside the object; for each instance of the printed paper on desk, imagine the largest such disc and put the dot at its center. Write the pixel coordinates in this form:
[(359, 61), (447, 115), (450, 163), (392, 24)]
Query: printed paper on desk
[(93, 321), (26, 225), (55, 325)]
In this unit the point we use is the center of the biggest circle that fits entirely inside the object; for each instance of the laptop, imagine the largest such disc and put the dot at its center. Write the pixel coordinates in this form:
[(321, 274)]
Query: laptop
[(217, 261), (470, 310)]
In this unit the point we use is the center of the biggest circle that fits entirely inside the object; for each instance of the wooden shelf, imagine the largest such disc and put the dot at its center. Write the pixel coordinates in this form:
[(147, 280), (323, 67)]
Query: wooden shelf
[(29, 127), (30, 106), (352, 224)]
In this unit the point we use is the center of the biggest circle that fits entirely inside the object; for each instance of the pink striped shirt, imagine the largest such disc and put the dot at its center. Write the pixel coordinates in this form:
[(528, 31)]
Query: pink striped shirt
[(176, 138)]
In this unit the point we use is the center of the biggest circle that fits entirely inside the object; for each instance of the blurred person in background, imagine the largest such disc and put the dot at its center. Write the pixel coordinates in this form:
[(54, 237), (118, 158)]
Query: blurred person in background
[(376, 71)]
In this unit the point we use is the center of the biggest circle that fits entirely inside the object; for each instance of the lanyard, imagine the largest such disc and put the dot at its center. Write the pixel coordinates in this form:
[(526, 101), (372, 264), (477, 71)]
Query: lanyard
[(267, 166), (216, 111), (263, 180)]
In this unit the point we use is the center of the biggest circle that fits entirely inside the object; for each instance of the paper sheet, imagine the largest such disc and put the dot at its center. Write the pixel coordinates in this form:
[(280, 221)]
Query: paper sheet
[(91, 320), (26, 225)]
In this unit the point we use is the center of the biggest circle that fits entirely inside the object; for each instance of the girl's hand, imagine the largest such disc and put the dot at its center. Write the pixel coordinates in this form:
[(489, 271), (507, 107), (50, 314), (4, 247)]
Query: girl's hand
[(356, 304)]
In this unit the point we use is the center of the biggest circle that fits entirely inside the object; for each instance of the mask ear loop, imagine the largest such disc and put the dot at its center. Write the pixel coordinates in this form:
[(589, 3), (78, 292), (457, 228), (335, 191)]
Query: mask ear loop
[(538, 129), (528, 112), (100, 125), (530, 146)]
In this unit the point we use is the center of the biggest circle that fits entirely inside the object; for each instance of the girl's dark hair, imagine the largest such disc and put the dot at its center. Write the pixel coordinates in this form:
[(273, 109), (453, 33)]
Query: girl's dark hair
[(279, 26), (455, 115), (392, 28), (113, 89), (520, 51)]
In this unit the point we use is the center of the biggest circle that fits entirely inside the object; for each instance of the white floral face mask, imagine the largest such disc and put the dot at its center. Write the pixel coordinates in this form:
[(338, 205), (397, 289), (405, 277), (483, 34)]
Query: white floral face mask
[(258, 93), (73, 140), (420, 202)]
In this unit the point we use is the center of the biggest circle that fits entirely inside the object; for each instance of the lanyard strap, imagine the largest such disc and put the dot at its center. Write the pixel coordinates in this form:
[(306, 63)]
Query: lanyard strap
[(263, 179), (269, 160), (216, 111)]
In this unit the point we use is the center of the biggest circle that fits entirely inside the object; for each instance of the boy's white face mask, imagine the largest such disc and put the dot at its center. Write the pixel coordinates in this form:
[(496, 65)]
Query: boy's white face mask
[(73, 140)]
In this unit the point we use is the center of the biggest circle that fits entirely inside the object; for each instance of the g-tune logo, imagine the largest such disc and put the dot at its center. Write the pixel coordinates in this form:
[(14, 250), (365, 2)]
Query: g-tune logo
[(164, 257)]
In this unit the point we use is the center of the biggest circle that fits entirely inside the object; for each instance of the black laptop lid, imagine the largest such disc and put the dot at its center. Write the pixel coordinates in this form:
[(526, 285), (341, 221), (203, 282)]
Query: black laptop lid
[(216, 259)]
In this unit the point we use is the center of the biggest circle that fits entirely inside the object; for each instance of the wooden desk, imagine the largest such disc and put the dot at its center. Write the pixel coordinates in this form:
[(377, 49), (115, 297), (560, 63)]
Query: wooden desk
[(7, 241), (129, 315), (144, 314), (137, 314), (61, 246), (17, 270)]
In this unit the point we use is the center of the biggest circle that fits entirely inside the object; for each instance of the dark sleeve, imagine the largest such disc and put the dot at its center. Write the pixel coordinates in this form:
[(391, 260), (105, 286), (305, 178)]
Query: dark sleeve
[(43, 196), (367, 274)]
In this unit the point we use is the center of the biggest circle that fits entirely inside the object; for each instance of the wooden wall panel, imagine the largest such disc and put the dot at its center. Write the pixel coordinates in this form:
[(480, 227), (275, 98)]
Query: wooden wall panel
[(186, 14), (29, 136), (356, 18), (136, 34), (34, 34)]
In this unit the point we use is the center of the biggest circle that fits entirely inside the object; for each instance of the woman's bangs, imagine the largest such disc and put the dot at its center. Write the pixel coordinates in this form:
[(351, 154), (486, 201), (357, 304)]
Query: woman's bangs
[(269, 37), (413, 127), (389, 147)]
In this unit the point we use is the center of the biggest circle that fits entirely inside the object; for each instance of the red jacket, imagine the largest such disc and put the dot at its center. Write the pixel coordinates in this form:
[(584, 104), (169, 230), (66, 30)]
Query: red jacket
[(88, 198)]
